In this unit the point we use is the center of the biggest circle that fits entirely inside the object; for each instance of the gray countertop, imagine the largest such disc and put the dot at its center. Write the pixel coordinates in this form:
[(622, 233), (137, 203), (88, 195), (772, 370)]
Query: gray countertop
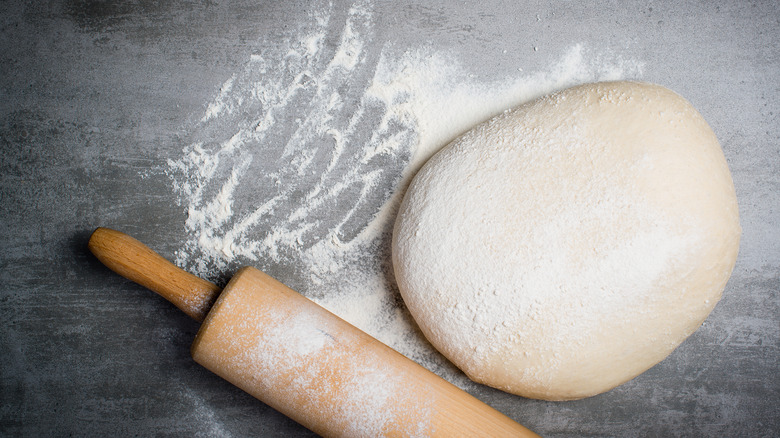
[(101, 101)]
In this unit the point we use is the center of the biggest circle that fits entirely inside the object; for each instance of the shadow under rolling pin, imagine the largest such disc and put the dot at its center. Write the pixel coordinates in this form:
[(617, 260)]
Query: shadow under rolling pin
[(302, 360)]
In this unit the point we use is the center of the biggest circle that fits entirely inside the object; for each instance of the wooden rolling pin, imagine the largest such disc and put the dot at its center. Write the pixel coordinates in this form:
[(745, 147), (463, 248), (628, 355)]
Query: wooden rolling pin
[(301, 359)]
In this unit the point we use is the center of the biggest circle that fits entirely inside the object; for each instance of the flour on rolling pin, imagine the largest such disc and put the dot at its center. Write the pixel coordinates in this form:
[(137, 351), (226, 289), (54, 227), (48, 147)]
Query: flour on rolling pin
[(302, 157), (286, 356)]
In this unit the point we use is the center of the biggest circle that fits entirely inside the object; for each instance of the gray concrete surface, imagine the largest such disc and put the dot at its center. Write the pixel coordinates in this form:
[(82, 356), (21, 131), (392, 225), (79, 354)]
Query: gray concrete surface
[(95, 96)]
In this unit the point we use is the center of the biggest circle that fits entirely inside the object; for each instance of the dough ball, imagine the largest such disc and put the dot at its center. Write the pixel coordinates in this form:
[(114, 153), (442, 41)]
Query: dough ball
[(566, 246)]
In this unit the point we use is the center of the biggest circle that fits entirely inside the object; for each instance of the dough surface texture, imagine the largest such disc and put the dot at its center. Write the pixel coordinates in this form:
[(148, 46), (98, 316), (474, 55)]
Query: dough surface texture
[(566, 246)]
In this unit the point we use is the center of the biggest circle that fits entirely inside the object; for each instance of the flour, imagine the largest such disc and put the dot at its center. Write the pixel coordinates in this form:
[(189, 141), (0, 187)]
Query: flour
[(551, 251), (303, 155), (308, 365)]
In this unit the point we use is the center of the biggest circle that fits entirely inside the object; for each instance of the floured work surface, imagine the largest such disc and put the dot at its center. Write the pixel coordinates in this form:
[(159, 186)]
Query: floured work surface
[(303, 163), (138, 116)]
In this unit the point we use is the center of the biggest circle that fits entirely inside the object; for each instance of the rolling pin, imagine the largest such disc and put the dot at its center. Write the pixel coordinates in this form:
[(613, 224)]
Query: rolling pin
[(301, 359)]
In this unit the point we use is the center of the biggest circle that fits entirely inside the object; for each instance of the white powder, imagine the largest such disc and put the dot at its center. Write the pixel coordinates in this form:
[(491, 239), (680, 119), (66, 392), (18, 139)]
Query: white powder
[(475, 284), (554, 257), (302, 157), (203, 414), (301, 362)]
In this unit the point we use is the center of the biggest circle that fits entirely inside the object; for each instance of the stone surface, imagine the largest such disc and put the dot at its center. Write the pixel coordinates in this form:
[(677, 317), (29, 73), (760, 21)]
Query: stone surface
[(96, 96)]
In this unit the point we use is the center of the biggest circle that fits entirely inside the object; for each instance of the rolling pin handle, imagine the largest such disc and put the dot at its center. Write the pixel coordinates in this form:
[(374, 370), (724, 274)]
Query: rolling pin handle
[(137, 262)]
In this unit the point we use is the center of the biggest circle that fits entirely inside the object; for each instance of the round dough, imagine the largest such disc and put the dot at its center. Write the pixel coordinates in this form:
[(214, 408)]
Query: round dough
[(566, 246)]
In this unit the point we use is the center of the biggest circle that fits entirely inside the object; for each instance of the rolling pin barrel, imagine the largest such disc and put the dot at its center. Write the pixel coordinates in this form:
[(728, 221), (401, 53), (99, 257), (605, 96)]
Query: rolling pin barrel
[(304, 361)]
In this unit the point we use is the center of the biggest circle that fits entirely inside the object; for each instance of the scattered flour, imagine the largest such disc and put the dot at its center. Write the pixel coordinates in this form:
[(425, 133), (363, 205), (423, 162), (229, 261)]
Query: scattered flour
[(301, 159)]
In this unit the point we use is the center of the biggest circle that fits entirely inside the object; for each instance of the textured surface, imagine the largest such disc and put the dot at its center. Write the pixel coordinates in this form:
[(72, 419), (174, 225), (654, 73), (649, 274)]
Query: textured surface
[(96, 97)]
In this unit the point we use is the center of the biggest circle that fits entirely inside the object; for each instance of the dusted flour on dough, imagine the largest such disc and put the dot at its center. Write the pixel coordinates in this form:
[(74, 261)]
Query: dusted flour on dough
[(565, 246)]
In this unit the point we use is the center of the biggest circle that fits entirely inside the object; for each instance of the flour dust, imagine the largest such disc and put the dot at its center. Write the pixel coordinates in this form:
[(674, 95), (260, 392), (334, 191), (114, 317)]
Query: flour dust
[(299, 162)]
